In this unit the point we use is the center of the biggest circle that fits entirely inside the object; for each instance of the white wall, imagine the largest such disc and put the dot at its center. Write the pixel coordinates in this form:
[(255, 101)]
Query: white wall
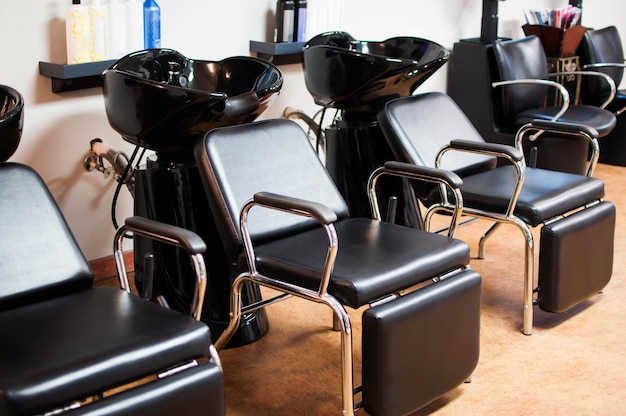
[(58, 127)]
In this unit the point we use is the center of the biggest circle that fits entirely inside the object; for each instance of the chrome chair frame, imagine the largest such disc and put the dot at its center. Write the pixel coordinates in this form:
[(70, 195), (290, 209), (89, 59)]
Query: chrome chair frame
[(170, 235), (325, 216), (600, 65), (179, 237), (169, 377), (565, 99), (516, 158)]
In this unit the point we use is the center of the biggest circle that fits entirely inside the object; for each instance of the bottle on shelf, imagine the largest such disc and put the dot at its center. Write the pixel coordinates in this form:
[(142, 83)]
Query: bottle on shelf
[(285, 18), (77, 34), (134, 25), (98, 27), (151, 24), (300, 21), (116, 31)]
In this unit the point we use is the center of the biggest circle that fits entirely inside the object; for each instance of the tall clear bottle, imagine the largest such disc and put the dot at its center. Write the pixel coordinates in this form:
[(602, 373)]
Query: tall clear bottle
[(300, 22), (134, 25), (99, 27), (151, 24), (116, 39), (77, 35)]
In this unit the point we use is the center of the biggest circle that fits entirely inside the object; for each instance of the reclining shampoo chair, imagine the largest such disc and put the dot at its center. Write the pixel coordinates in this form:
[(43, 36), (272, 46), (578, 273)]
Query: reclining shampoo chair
[(602, 50), (285, 225), (576, 253), (69, 348)]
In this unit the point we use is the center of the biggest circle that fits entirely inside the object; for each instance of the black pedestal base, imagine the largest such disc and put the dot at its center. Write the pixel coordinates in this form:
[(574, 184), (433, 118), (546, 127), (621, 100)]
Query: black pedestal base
[(355, 147), (174, 194)]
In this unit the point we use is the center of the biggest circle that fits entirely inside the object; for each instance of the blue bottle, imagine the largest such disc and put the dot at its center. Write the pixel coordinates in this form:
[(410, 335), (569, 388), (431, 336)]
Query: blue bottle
[(151, 25)]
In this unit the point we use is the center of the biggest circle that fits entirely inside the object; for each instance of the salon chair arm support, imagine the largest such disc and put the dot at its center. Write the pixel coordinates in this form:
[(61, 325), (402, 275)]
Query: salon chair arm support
[(296, 206), (605, 65), (605, 77), (169, 234), (562, 90), (600, 65), (512, 154), (411, 171), (486, 148), (561, 127), (166, 233), (443, 178), (320, 212), (573, 129)]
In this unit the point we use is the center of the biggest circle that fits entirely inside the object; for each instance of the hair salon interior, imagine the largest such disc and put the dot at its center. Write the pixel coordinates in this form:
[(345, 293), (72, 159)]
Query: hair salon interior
[(217, 178)]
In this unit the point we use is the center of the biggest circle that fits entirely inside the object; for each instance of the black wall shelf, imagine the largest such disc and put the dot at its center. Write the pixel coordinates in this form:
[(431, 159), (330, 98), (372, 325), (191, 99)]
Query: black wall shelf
[(281, 53), (75, 76), (71, 77)]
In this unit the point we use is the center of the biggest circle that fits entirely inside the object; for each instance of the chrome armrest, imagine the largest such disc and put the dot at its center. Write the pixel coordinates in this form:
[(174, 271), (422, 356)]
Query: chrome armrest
[(605, 65), (563, 129), (446, 180), (510, 153), (169, 234), (605, 77), (559, 87), (324, 215)]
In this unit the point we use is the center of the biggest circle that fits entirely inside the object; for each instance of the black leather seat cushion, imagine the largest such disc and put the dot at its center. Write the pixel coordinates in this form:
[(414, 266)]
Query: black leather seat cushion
[(545, 193), (601, 120), (365, 269), (110, 336), (198, 391)]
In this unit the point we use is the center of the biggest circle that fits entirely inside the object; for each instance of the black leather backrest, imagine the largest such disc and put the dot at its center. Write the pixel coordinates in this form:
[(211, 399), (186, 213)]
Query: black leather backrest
[(39, 257), (417, 127), (601, 46), (521, 59), (273, 156)]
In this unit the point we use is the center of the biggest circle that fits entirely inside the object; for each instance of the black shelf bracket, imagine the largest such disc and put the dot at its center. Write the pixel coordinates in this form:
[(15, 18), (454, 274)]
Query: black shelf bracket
[(75, 76), (281, 53)]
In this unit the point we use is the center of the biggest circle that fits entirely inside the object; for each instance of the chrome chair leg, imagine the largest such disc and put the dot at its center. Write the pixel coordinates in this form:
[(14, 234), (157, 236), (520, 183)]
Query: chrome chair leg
[(483, 238), (529, 274), (341, 321), (235, 314)]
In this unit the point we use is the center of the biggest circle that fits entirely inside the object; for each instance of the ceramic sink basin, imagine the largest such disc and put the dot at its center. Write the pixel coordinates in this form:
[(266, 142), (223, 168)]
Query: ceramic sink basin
[(344, 73), (11, 121), (162, 100)]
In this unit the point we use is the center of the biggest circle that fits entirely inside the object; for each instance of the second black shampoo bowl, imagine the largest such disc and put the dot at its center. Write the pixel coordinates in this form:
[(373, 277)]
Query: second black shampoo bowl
[(11, 121), (344, 73), (162, 100)]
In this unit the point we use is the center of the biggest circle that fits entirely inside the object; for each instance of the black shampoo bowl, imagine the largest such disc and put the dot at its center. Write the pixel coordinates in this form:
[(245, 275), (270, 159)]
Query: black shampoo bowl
[(162, 100), (11, 121), (348, 74)]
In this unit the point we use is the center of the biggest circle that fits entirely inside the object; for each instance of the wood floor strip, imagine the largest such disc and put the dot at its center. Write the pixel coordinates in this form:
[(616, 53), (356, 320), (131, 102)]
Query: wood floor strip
[(104, 267)]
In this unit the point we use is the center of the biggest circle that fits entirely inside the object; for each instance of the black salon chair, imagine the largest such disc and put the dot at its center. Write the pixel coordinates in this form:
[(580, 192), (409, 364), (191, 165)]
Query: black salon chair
[(284, 225), (601, 50), (524, 92), (577, 226), (69, 348)]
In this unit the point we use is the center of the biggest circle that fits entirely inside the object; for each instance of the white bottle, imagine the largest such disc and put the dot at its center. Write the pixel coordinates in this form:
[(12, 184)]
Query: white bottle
[(116, 29), (98, 26), (77, 33), (134, 25)]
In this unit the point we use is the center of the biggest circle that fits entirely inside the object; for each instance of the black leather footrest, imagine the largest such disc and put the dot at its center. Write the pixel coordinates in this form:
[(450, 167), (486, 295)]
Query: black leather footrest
[(576, 257), (420, 346), (198, 391)]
